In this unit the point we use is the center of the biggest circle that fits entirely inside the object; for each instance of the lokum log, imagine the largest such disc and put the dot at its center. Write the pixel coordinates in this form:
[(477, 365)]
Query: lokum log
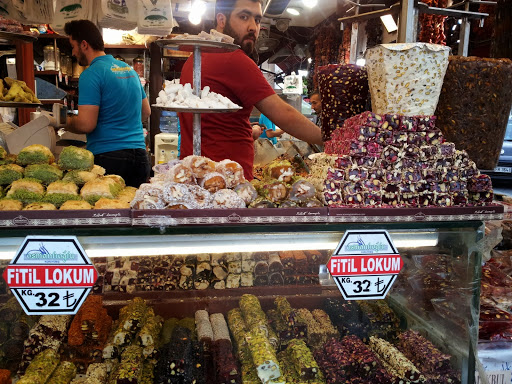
[(263, 355), (422, 353), (403, 366), (63, 374)]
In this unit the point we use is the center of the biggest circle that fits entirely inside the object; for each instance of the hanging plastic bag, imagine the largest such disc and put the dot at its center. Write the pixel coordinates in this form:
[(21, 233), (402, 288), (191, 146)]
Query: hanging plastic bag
[(38, 11), (118, 14), (69, 10), (155, 17)]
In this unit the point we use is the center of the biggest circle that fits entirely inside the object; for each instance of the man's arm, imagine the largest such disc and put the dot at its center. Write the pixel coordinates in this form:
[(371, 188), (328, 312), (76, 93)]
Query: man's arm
[(289, 119), (85, 121), (274, 133), (146, 109)]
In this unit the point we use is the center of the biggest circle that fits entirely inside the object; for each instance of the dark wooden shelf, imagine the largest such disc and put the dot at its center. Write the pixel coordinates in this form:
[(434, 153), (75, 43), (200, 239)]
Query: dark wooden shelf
[(49, 36), (43, 73), (52, 101), (126, 48)]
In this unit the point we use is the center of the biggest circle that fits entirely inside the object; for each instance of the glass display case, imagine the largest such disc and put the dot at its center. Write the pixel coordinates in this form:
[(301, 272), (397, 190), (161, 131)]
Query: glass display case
[(287, 320)]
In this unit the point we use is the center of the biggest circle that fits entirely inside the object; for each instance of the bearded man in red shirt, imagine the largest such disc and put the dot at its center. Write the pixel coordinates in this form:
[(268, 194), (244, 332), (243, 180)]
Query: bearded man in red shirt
[(236, 76)]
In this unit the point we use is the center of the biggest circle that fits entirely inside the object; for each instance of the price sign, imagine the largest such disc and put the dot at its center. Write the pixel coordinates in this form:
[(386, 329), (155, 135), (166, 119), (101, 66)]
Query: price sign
[(50, 275), (365, 264)]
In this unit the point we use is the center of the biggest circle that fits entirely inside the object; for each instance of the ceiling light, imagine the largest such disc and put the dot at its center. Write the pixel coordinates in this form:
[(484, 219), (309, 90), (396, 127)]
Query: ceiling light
[(310, 3), (295, 11), (389, 23), (361, 62), (199, 7), (194, 18)]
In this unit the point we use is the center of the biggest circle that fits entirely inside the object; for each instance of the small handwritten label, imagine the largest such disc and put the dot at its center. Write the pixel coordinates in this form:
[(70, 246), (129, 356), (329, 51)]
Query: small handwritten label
[(495, 377)]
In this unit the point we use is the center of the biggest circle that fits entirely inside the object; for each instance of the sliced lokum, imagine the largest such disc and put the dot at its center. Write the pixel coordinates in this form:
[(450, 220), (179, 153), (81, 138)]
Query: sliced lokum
[(343, 162), (353, 198), (376, 173), (367, 133), (336, 174), (391, 154), (246, 279), (356, 173), (431, 152), (426, 199), (274, 263), (411, 176), (434, 137), (447, 149), (409, 123), (426, 123), (276, 278), (260, 280), (233, 280), (384, 137), (400, 138), (480, 183), (301, 261), (263, 355), (357, 149), (352, 187), (391, 122), (417, 138), (481, 197), (391, 195)]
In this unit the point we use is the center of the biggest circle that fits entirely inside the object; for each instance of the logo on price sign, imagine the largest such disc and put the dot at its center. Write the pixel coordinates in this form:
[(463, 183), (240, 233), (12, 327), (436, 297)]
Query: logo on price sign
[(50, 275), (365, 264)]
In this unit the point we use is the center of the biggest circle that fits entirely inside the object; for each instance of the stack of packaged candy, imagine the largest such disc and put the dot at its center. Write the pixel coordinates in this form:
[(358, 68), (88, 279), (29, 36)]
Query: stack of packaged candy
[(400, 161)]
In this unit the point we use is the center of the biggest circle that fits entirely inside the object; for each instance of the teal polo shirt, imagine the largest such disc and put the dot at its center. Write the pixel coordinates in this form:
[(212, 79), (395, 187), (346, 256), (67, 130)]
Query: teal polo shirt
[(115, 87)]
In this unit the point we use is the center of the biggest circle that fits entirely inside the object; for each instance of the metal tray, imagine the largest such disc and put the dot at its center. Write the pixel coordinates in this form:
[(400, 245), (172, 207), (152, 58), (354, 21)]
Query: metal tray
[(196, 110), (206, 46), (16, 36), (12, 104)]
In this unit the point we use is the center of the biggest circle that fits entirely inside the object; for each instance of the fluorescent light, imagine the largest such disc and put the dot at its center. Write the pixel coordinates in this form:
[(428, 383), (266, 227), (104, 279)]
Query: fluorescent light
[(293, 11), (310, 3), (361, 62), (389, 23), (310, 60)]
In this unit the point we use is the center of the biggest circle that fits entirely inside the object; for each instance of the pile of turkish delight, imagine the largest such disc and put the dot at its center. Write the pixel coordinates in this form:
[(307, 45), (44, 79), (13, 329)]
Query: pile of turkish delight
[(400, 161)]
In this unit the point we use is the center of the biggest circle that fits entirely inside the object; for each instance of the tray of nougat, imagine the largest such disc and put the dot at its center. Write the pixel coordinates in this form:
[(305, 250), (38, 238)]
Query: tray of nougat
[(200, 191), (38, 190)]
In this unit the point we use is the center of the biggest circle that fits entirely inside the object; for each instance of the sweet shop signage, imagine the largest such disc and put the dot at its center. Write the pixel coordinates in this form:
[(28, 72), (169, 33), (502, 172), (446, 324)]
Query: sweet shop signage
[(365, 264), (50, 275)]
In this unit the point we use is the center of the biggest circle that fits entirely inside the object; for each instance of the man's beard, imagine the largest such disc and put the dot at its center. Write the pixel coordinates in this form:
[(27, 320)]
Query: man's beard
[(81, 59), (246, 45)]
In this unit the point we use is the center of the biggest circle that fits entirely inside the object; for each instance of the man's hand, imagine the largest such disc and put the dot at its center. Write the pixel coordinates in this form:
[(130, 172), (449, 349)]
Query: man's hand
[(289, 119), (85, 121), (256, 131)]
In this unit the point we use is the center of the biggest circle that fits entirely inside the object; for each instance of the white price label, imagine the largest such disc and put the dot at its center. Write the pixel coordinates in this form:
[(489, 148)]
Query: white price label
[(356, 287), (51, 301)]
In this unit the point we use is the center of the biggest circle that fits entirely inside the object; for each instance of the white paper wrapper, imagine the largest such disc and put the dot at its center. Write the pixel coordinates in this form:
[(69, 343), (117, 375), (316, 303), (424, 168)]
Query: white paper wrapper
[(406, 79)]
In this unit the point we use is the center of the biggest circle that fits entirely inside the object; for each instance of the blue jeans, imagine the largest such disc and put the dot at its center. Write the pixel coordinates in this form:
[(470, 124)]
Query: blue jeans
[(131, 164)]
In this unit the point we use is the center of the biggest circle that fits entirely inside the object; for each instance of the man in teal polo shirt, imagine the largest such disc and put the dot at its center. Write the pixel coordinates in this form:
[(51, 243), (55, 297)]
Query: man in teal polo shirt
[(111, 107)]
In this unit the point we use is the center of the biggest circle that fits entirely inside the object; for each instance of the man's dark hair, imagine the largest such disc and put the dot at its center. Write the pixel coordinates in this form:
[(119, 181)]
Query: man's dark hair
[(315, 92), (81, 30), (226, 7)]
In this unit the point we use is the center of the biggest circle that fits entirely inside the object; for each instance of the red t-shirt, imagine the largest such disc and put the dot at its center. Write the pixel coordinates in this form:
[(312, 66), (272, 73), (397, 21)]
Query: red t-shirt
[(226, 135)]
